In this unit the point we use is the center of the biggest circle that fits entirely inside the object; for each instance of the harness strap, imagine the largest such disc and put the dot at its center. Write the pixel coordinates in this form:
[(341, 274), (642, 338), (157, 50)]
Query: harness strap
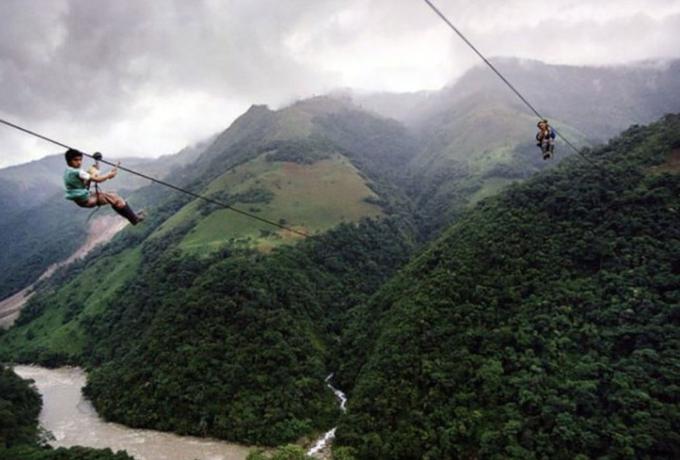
[(96, 185), (96, 191)]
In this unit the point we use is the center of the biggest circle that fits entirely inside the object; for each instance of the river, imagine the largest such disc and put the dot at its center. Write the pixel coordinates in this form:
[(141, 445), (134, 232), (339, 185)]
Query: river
[(320, 449), (73, 421)]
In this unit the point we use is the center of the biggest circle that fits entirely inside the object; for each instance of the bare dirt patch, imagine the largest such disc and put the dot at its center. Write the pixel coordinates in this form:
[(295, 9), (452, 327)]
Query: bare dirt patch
[(101, 230), (11, 306), (672, 164)]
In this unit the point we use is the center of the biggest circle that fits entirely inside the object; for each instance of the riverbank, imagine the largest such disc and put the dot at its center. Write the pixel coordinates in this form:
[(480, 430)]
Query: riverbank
[(72, 420)]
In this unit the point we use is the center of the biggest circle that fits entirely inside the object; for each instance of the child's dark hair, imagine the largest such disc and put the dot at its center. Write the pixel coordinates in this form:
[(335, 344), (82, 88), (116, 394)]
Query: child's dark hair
[(72, 154)]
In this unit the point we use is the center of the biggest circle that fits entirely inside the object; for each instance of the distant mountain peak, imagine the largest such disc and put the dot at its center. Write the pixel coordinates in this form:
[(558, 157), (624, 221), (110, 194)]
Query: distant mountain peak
[(323, 105), (257, 109)]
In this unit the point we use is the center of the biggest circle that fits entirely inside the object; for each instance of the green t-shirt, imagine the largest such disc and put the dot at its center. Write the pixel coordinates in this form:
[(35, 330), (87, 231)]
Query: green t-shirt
[(75, 184)]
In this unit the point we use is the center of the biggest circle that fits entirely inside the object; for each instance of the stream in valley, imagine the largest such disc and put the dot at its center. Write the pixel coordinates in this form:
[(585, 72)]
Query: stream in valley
[(73, 421)]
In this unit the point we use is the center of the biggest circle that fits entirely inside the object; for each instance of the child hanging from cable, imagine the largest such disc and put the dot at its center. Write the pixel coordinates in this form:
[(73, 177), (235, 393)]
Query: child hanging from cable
[(77, 183), (545, 139)]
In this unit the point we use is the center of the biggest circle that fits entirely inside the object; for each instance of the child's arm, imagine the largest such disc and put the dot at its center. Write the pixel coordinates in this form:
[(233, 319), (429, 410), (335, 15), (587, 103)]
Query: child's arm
[(104, 177)]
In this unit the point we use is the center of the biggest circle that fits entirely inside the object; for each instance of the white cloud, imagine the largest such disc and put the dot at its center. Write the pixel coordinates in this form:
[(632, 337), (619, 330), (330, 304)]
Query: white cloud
[(148, 78)]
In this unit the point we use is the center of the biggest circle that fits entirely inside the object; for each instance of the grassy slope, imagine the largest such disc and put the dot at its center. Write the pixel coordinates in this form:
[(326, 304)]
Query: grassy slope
[(59, 331), (231, 331), (472, 150), (310, 197)]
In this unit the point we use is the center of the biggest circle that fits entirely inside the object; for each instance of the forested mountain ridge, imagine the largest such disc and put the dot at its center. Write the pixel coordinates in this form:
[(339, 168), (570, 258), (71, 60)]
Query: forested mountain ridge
[(475, 136), (36, 179), (456, 146), (313, 165), (202, 322), (233, 341), (543, 324)]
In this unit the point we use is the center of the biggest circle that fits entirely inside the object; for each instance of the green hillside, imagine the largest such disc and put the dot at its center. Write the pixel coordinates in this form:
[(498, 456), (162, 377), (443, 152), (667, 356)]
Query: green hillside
[(35, 238), (236, 332), (472, 150), (543, 324), (475, 137), (311, 166), (310, 198), (212, 312), (454, 147), (50, 328), (39, 227), (204, 322)]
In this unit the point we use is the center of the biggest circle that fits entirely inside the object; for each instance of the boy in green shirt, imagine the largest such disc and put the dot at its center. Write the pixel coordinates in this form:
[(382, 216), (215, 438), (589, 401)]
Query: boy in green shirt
[(77, 183)]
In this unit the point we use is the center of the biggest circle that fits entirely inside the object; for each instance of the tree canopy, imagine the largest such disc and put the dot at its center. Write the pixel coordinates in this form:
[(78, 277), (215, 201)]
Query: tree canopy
[(543, 324)]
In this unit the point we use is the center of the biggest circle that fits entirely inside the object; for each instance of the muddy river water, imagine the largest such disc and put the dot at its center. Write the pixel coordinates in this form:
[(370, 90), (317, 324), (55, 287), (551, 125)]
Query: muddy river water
[(73, 421)]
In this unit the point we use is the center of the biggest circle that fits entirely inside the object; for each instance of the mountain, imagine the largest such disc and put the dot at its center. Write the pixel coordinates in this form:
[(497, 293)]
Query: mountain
[(599, 101), (311, 166), (39, 227), (36, 180), (203, 322), (542, 324), (453, 148), (476, 137), (36, 238), (42, 179), (35, 230)]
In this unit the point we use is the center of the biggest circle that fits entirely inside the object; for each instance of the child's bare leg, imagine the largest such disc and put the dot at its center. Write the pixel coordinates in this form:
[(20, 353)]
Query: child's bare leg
[(118, 204), (113, 199)]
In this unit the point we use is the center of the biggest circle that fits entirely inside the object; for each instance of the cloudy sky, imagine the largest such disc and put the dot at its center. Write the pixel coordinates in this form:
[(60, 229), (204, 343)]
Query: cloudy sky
[(145, 78)]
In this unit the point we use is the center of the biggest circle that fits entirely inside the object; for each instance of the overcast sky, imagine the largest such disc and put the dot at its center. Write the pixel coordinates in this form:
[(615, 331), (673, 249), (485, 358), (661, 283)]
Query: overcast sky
[(145, 78)]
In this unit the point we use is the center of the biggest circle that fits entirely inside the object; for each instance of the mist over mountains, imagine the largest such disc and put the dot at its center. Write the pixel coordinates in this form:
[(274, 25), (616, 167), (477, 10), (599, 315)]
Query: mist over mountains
[(599, 101), (451, 272)]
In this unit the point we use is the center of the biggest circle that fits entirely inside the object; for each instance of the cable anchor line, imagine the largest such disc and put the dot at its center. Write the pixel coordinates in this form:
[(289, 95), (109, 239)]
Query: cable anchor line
[(507, 82), (161, 182)]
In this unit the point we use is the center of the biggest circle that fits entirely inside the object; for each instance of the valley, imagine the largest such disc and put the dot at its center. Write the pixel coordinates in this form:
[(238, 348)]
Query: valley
[(473, 300)]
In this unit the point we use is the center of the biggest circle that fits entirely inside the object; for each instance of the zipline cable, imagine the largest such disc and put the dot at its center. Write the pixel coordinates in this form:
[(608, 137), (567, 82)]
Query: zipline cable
[(276, 224), (162, 182), (506, 81)]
